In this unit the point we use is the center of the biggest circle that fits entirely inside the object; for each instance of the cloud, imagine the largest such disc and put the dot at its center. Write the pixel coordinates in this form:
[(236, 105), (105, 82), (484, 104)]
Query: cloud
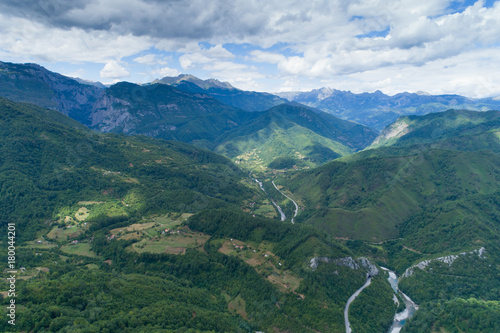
[(416, 35), (113, 70), (24, 38), (325, 39), (195, 19), (269, 57), (204, 56), (150, 59), (165, 71)]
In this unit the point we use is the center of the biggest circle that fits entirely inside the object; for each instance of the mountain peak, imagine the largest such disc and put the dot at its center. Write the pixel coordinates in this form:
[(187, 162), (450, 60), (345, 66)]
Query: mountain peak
[(205, 84)]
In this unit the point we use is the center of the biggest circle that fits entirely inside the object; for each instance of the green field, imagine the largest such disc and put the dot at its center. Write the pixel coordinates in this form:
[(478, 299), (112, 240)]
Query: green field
[(175, 243), (80, 249), (64, 233)]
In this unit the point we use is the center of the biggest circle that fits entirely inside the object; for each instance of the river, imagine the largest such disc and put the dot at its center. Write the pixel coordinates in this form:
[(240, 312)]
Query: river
[(286, 196), (400, 317), (282, 214)]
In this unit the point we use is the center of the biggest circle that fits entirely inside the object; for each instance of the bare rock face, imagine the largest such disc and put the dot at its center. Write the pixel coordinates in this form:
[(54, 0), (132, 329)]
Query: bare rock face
[(370, 267), (110, 114), (446, 259), (395, 130), (361, 262), (34, 84)]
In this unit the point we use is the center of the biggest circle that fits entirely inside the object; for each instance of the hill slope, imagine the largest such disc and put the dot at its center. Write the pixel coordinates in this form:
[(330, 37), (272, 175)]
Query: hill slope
[(428, 206), (292, 132), (447, 126), (50, 161), (372, 193)]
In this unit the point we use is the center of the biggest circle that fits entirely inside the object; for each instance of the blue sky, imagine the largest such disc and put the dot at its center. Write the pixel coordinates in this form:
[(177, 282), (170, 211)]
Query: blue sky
[(436, 46)]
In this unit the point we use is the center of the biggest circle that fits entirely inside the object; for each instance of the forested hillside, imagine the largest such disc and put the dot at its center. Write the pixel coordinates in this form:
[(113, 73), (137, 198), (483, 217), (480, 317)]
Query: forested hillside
[(294, 132), (132, 234), (431, 202), (50, 162)]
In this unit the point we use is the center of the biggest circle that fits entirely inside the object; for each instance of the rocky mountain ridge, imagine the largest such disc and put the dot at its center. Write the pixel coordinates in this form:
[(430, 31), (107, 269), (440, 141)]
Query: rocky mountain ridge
[(378, 110), (34, 84)]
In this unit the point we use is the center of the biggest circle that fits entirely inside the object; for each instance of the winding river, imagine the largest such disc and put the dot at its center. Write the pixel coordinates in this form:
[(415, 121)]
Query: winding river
[(410, 306), (282, 214), (399, 318)]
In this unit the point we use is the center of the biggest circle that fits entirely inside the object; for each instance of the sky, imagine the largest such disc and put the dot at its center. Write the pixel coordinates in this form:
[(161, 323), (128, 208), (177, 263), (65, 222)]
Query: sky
[(433, 46)]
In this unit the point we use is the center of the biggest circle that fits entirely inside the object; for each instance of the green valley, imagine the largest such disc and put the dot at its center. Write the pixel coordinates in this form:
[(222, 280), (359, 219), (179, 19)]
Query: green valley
[(172, 212), (107, 219)]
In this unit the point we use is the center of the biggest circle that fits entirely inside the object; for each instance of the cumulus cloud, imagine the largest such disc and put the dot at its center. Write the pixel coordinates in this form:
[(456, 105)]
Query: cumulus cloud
[(150, 59), (204, 56), (113, 70), (166, 71), (417, 33), (195, 19)]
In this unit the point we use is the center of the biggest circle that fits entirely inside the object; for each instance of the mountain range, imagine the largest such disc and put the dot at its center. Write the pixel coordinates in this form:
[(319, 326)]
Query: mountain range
[(187, 205), (378, 110), (224, 92), (207, 113)]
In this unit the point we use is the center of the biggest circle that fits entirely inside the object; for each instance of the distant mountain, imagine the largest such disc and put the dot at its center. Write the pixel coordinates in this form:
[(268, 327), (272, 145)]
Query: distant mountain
[(297, 133), (34, 84), (185, 108), (204, 84), (378, 110), (157, 110), (160, 111), (224, 92)]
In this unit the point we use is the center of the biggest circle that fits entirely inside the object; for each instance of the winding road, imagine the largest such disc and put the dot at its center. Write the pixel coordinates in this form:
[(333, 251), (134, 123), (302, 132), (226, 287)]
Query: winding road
[(286, 196), (282, 215), (349, 301)]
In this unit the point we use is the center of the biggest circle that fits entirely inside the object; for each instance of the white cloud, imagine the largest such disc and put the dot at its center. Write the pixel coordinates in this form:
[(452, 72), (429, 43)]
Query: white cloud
[(113, 70), (269, 57), (150, 59), (24, 38), (218, 52), (191, 60), (165, 71), (322, 38), (204, 56)]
